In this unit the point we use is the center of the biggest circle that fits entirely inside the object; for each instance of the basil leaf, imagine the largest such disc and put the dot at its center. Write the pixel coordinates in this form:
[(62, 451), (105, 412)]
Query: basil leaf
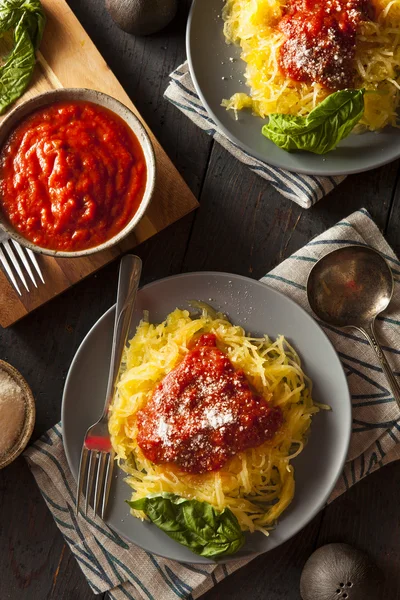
[(320, 132), (27, 20), (197, 525)]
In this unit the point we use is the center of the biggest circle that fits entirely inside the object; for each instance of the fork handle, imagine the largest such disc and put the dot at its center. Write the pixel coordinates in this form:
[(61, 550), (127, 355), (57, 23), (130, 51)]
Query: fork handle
[(128, 282)]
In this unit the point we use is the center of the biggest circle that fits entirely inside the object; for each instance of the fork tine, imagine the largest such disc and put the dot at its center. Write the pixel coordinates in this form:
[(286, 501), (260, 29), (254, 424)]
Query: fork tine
[(90, 478), (15, 263), (24, 261), (35, 263), (99, 480), (81, 476), (107, 483), (9, 272)]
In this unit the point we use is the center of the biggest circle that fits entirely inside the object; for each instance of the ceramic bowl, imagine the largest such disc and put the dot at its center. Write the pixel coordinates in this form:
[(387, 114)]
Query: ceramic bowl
[(218, 72), (29, 420), (259, 309), (86, 95)]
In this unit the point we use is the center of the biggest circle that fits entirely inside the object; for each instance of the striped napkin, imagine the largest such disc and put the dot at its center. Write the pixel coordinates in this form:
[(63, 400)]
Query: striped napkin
[(305, 190), (127, 572)]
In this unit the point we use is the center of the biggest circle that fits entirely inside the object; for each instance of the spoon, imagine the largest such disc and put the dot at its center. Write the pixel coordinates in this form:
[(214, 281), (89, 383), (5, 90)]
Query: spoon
[(350, 287)]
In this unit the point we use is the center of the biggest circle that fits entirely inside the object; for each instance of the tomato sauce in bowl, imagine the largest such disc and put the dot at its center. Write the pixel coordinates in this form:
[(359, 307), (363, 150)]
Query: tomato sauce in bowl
[(72, 176)]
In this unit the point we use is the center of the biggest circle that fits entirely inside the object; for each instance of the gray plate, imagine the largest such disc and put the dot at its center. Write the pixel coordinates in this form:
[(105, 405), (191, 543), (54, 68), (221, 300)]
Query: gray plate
[(215, 78), (259, 309)]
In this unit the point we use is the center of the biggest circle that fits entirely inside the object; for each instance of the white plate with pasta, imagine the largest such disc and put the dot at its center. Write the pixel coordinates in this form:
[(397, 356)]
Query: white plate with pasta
[(252, 449), (260, 79)]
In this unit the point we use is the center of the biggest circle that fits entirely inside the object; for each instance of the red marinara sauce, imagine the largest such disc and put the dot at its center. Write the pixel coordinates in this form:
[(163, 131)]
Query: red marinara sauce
[(204, 412), (321, 40), (72, 175)]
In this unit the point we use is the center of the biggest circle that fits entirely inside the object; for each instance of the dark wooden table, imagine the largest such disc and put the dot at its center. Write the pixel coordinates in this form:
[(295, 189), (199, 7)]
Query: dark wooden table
[(243, 226)]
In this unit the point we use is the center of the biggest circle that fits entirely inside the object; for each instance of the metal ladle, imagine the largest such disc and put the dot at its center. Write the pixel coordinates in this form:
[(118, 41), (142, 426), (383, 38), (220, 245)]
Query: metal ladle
[(349, 287)]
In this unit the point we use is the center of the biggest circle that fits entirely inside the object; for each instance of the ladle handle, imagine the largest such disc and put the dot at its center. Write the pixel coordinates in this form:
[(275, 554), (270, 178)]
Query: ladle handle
[(371, 337)]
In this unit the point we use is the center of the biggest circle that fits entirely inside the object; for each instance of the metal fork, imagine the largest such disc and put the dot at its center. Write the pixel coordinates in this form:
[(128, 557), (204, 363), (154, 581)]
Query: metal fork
[(10, 251), (97, 456)]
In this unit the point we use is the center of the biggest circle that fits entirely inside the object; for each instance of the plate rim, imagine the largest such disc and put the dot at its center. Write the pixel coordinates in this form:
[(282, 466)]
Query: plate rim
[(323, 172), (345, 446)]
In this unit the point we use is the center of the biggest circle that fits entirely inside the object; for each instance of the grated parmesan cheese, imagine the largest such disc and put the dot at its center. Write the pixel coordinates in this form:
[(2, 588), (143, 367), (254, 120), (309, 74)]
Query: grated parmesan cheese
[(12, 412)]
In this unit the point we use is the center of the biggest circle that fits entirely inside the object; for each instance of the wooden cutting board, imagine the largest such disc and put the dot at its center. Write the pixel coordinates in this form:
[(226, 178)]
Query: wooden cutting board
[(68, 58)]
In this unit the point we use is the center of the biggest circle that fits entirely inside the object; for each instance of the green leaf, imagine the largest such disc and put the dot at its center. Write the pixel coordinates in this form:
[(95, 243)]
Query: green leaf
[(197, 525), (27, 20), (321, 131)]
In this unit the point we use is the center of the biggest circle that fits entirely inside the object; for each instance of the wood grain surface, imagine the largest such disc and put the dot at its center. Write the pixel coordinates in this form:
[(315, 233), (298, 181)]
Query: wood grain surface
[(68, 59), (244, 226)]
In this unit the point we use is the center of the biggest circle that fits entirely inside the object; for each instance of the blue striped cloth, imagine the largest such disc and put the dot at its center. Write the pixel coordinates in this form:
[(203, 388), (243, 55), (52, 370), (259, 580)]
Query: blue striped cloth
[(305, 190), (127, 572), (376, 422)]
